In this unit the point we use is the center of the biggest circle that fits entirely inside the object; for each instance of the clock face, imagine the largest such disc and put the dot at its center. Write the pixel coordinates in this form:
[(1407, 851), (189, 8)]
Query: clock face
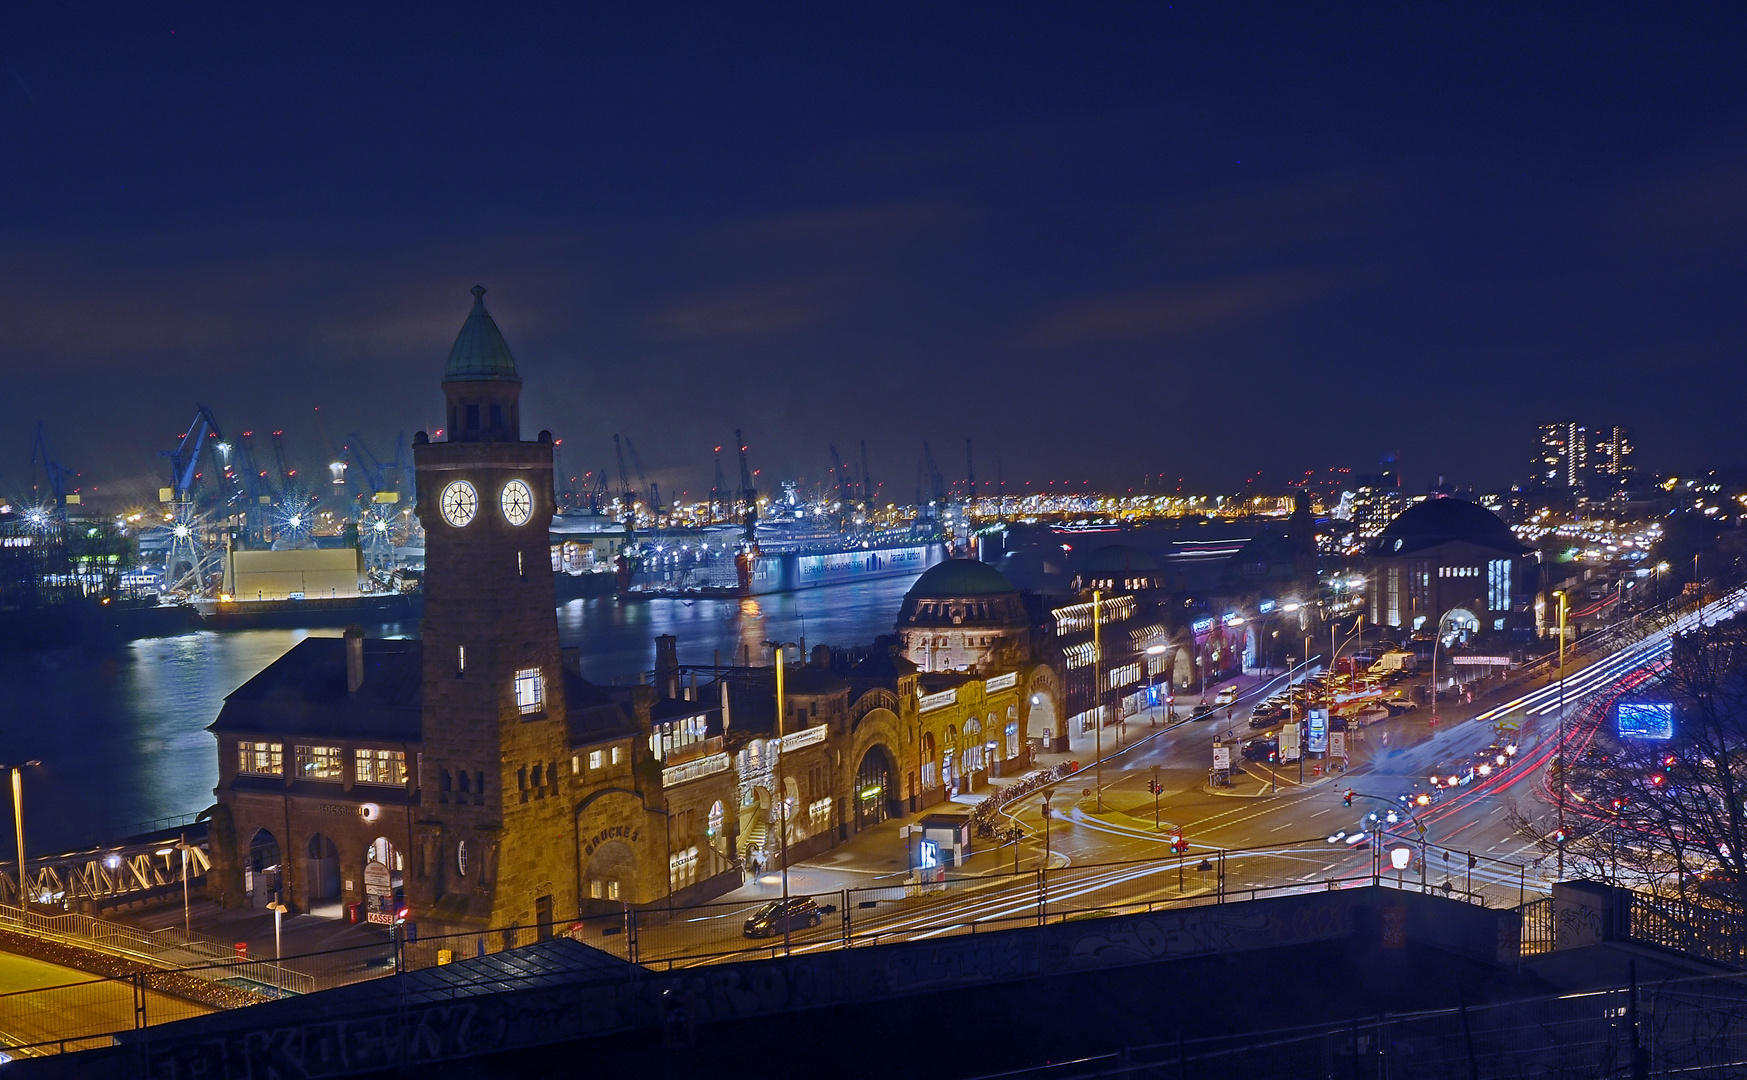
[(460, 503), (518, 502)]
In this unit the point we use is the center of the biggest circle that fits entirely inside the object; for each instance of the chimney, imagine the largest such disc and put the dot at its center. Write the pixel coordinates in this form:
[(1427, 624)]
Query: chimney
[(354, 658), (667, 666)]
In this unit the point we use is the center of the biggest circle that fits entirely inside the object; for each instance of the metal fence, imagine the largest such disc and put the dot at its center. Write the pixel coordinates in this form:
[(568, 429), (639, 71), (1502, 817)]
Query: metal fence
[(1689, 1028)]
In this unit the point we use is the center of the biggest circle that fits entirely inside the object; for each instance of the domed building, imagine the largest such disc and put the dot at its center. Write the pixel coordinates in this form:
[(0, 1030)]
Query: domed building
[(1458, 563), (962, 615)]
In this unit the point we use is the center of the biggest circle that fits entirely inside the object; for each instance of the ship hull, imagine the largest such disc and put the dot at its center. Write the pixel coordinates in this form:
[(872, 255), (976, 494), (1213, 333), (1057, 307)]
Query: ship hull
[(793, 571)]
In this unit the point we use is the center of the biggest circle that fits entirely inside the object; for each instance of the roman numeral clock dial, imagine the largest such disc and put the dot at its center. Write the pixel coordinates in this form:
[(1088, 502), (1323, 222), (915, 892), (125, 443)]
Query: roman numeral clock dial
[(517, 502), (460, 503)]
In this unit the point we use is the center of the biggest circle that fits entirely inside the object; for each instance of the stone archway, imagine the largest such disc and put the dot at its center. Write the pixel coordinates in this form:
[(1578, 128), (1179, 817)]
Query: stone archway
[(876, 788), (610, 877), (263, 872), (1184, 676), (321, 871)]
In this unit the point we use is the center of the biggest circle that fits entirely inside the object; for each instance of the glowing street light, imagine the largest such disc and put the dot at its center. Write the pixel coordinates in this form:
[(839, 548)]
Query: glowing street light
[(18, 824)]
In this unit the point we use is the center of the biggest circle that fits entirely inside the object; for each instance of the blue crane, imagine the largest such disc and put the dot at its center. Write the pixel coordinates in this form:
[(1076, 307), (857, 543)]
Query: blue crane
[(54, 474)]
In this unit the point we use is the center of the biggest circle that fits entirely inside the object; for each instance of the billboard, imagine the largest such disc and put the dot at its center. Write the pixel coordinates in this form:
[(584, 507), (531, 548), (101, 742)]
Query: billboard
[(1645, 720), (1318, 731)]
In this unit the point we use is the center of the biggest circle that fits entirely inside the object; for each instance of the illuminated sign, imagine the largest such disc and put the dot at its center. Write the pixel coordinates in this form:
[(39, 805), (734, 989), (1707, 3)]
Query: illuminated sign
[(1645, 720), (928, 854), (1201, 626), (794, 740), (1318, 743), (930, 702), (1265, 606), (1001, 682)]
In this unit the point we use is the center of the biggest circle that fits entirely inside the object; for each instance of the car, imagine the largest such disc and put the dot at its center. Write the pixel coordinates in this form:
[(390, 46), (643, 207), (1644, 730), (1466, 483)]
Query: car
[(1260, 719), (1202, 711), (1267, 749), (1226, 695), (795, 913)]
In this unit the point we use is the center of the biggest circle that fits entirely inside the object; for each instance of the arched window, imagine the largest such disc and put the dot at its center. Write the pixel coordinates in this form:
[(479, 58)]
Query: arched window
[(973, 746), (929, 765)]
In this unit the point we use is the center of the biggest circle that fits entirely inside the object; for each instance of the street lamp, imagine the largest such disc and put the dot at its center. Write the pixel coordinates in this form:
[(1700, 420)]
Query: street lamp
[(1046, 830), (1157, 650), (1559, 756), (18, 825), (1098, 698), (782, 790)]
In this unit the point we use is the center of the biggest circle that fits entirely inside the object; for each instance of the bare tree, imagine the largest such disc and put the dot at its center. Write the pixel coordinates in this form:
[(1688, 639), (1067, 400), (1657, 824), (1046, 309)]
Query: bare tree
[(1666, 814)]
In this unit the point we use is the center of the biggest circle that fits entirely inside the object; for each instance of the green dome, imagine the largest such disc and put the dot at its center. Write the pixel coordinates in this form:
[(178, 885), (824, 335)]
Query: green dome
[(959, 577), (480, 353)]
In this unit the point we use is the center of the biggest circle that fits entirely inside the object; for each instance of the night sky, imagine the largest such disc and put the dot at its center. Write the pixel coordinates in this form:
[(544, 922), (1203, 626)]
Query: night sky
[(1197, 240)]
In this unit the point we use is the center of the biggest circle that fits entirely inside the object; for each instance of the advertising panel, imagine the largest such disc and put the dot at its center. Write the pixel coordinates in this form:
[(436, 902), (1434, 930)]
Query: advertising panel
[(1318, 731), (1645, 719)]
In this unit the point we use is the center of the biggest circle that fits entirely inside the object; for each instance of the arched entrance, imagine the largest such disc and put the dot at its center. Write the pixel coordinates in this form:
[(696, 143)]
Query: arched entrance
[(1183, 669), (611, 875), (321, 873), (876, 788), (1458, 627), (263, 876)]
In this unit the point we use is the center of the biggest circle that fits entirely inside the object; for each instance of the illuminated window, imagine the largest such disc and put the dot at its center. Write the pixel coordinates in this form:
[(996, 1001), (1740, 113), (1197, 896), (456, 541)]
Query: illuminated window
[(261, 758), (381, 767), (460, 660), (319, 763), (618, 754), (530, 691), (717, 815), (595, 759)]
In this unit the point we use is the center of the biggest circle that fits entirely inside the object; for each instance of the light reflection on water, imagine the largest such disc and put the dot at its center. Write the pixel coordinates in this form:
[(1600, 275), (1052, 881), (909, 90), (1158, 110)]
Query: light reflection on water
[(122, 734)]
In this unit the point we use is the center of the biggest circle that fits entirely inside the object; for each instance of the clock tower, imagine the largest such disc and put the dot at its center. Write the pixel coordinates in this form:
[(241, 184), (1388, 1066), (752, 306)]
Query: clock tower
[(495, 841)]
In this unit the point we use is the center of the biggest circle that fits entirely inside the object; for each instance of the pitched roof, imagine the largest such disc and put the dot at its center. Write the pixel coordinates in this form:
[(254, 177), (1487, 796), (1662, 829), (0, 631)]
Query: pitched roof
[(304, 693), (480, 354)]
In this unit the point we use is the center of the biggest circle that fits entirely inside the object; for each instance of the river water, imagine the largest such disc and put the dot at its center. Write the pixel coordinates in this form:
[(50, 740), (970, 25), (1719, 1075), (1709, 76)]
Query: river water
[(122, 734)]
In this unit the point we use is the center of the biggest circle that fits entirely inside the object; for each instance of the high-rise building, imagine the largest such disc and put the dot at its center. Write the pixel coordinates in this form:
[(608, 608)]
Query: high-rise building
[(1563, 460), (1612, 452)]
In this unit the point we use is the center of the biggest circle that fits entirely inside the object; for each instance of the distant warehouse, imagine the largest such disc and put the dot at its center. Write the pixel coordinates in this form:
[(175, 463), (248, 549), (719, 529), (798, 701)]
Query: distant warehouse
[(308, 574)]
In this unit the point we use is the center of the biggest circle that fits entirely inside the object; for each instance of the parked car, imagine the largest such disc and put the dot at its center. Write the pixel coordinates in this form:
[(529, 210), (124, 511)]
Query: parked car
[(1202, 711), (795, 913)]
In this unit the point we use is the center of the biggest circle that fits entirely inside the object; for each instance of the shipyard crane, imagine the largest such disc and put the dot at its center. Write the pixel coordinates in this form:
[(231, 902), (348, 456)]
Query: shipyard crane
[(936, 479), (867, 485), (627, 497), (970, 472), (748, 493), (54, 474), (643, 480), (841, 476), (598, 494), (717, 486)]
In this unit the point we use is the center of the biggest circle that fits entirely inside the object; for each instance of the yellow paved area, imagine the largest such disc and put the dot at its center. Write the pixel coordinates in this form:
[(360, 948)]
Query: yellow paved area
[(40, 1002)]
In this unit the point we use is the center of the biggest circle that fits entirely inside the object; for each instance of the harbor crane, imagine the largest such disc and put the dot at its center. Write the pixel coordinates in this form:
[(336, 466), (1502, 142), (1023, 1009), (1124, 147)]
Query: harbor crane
[(54, 474), (841, 476), (867, 484), (627, 497), (717, 486), (748, 493), (644, 484)]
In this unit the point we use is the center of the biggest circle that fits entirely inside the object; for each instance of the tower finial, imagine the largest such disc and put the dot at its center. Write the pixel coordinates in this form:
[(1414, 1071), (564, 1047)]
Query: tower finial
[(478, 291)]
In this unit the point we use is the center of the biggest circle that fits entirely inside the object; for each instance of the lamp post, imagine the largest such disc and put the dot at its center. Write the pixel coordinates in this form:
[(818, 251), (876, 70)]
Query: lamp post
[(18, 825), (782, 793), (279, 911), (1157, 650), (1046, 830), (1559, 753), (1098, 699), (182, 846)]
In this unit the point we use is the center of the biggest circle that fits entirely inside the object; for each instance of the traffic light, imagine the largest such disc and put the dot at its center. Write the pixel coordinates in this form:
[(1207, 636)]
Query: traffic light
[(1178, 844), (1559, 837), (1473, 861), (1348, 798)]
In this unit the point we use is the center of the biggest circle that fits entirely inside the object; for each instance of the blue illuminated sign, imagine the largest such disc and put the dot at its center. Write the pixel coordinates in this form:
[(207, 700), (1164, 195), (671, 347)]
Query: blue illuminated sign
[(1645, 720)]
